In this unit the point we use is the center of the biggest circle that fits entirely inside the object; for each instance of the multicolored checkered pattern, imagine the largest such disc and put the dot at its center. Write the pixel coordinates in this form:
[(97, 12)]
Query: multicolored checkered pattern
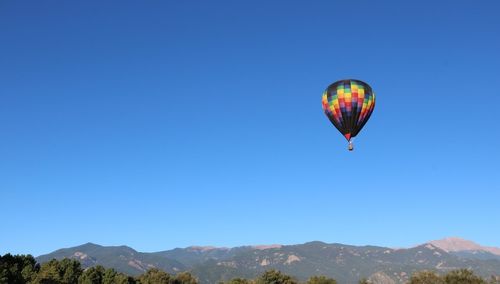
[(348, 104)]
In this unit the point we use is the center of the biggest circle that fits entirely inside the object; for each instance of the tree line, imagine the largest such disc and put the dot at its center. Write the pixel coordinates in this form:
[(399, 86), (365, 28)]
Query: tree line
[(20, 269)]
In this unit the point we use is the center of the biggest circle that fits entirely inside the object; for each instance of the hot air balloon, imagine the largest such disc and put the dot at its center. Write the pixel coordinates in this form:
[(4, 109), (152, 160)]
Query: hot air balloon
[(348, 104)]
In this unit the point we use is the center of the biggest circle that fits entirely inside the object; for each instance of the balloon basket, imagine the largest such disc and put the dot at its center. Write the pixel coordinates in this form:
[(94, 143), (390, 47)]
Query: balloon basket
[(351, 146)]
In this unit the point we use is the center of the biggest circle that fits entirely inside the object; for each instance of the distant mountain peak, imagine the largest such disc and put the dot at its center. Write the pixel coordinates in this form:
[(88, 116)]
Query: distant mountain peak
[(211, 248), (206, 248), (263, 247), (455, 244), (90, 244)]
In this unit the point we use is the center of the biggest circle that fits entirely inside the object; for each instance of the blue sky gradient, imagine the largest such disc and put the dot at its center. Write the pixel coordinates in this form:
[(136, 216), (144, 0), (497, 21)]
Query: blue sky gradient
[(165, 124)]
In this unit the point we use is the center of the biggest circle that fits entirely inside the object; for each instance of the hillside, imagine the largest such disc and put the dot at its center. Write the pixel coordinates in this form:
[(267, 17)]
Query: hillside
[(122, 258), (345, 263)]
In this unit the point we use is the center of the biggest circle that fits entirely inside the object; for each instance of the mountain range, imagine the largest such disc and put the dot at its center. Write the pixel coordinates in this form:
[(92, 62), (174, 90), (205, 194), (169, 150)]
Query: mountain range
[(345, 263)]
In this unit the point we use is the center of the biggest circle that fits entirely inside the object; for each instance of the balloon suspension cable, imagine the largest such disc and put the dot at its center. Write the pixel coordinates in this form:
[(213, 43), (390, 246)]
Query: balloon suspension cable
[(351, 146)]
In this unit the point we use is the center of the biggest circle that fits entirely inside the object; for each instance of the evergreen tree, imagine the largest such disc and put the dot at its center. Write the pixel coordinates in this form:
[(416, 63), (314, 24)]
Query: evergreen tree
[(426, 277), (17, 268), (111, 276), (321, 280), (184, 278), (238, 281), (463, 276), (275, 277), (92, 275), (66, 271), (155, 276)]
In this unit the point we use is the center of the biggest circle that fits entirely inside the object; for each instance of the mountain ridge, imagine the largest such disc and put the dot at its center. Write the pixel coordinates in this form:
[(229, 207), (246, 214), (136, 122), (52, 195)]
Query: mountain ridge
[(455, 244), (346, 263)]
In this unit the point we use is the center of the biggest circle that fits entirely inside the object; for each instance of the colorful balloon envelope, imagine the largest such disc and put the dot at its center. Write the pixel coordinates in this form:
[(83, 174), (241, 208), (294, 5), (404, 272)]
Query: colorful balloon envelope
[(348, 104)]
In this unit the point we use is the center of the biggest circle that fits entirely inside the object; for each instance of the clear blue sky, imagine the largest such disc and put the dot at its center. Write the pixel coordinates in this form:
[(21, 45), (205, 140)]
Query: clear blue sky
[(165, 124)]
